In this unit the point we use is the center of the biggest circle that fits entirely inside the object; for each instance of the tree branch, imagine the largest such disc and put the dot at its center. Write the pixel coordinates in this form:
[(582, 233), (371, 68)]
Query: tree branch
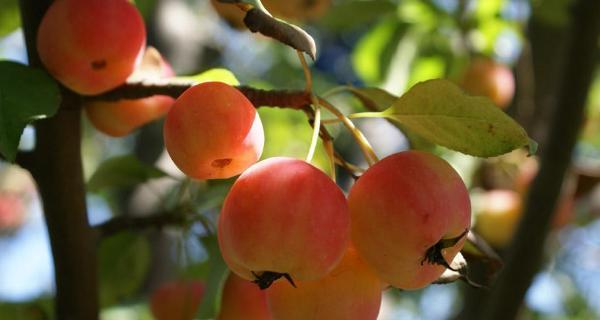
[(271, 98), (526, 252), (128, 223), (57, 169)]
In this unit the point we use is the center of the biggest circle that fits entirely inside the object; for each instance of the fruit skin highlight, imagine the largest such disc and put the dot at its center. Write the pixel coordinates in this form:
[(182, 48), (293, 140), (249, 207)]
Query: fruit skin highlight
[(118, 119), (402, 206), (91, 46), (485, 77), (283, 215), (350, 291), (177, 300), (213, 132), (242, 299)]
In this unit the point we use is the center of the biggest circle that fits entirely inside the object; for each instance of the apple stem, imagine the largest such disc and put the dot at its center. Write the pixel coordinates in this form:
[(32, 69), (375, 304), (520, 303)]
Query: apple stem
[(361, 140)]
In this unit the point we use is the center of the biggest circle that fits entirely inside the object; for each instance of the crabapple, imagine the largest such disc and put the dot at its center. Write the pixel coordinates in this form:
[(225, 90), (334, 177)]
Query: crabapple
[(409, 213), (213, 131), (350, 291), (119, 118), (488, 78), (498, 216), (177, 300), (283, 217), (91, 46), (241, 299), (501, 210), (12, 211)]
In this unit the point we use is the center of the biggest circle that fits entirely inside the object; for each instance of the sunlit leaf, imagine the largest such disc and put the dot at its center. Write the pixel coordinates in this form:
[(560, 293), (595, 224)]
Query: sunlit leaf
[(122, 171), (10, 19), (375, 99), (217, 74), (439, 111), (372, 54), (425, 68), (26, 94)]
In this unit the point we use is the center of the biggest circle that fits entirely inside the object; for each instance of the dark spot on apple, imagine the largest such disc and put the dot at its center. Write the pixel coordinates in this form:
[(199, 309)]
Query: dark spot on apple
[(98, 64), (221, 163)]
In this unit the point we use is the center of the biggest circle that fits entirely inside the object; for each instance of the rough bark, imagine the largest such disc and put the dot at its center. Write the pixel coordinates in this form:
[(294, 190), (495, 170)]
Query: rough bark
[(526, 252), (57, 169)]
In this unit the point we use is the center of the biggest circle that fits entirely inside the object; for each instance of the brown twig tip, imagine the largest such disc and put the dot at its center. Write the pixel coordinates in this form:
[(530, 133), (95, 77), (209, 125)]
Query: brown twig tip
[(128, 223), (259, 21)]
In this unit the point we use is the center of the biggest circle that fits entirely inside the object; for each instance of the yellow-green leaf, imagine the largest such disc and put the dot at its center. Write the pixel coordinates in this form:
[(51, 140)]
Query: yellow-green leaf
[(217, 74), (439, 111)]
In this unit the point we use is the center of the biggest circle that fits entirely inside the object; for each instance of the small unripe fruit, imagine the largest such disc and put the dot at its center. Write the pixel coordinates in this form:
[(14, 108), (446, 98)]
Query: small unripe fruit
[(242, 299), (283, 216), (501, 210), (498, 216), (350, 292), (213, 132), (177, 300), (91, 46), (401, 208), (485, 77), (119, 118)]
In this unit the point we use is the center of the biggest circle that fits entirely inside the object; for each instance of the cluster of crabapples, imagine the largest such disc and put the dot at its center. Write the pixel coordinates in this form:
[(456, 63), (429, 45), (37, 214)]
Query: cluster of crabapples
[(285, 219), (401, 224), (94, 46)]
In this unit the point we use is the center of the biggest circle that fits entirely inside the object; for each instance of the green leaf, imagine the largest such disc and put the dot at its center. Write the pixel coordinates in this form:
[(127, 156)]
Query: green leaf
[(10, 19), (376, 99), (39, 309), (123, 263), (439, 111), (217, 74), (552, 12), (146, 8), (217, 272), (26, 94), (122, 171), (381, 41), (362, 12)]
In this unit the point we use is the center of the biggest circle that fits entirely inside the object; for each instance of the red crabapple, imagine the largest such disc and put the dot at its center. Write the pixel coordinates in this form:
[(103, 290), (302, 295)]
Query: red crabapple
[(91, 46), (351, 291), (119, 118), (242, 299), (177, 300), (401, 208), (486, 77), (12, 211), (213, 132), (283, 217)]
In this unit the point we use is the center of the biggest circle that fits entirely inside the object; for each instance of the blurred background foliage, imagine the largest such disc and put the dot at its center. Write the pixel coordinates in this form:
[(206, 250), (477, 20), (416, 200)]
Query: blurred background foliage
[(390, 44)]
